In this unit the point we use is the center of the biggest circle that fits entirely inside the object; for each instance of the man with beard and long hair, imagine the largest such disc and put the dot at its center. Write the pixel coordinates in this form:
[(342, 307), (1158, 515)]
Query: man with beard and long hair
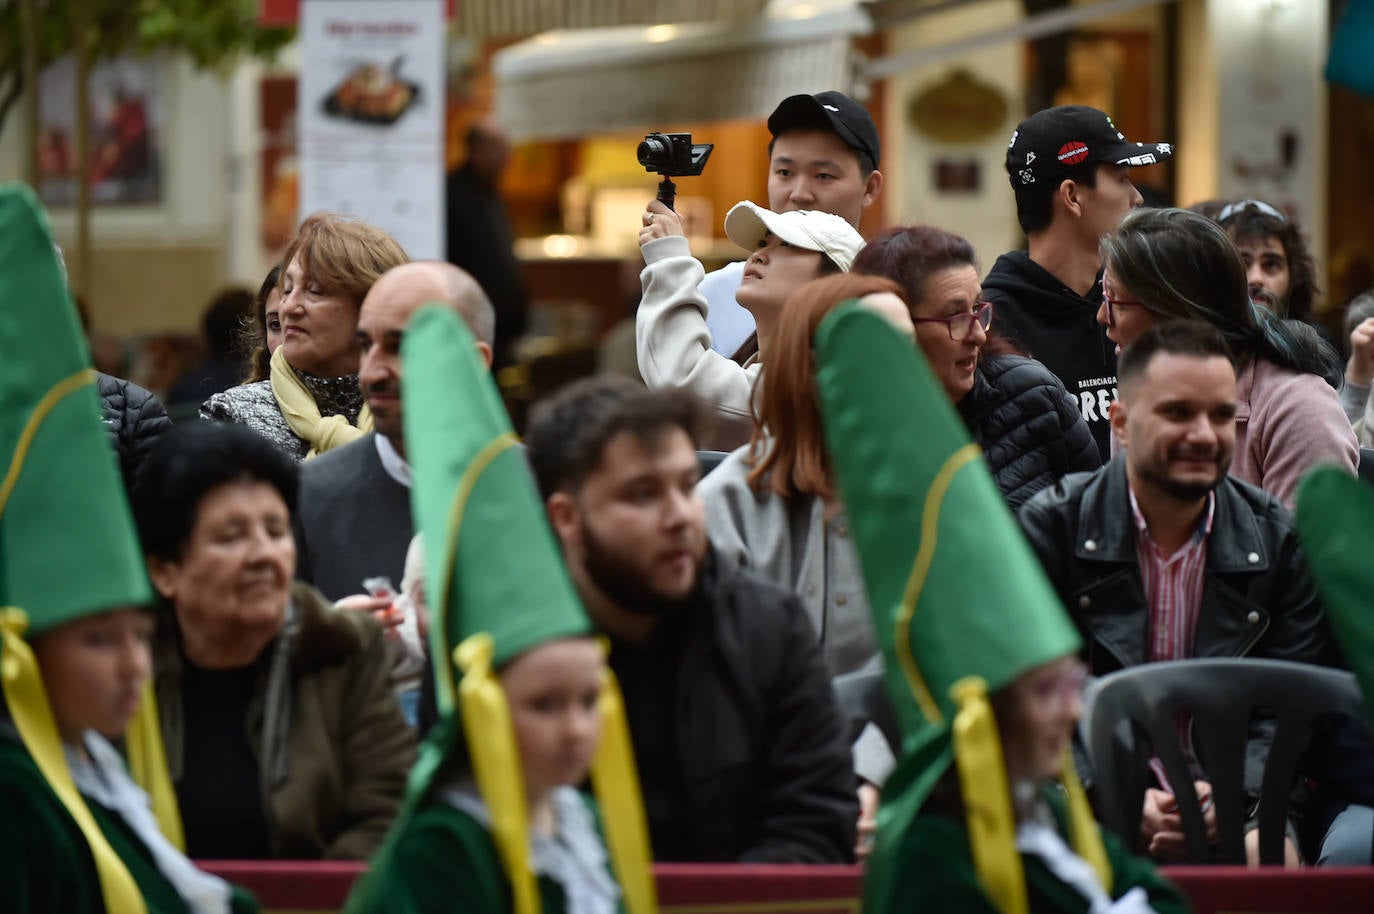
[(742, 755), (1160, 555)]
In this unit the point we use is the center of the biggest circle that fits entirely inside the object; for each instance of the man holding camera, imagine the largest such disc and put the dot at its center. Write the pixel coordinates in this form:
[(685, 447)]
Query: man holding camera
[(824, 156)]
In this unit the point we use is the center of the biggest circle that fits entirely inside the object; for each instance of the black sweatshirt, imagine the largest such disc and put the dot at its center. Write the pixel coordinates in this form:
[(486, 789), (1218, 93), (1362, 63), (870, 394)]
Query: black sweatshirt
[(1057, 326)]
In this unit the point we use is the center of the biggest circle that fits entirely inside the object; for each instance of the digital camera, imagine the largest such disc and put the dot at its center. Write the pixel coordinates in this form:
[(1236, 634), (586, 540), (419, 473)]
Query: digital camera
[(673, 154)]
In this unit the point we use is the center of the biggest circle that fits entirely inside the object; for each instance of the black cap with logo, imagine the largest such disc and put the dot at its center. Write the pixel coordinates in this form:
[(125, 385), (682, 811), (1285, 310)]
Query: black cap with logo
[(1047, 145), (833, 111)]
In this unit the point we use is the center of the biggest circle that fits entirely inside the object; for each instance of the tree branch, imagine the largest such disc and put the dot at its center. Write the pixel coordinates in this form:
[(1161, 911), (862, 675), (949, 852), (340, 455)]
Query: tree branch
[(9, 97)]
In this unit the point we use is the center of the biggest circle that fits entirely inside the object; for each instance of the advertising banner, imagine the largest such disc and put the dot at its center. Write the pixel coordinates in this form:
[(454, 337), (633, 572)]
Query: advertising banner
[(370, 113)]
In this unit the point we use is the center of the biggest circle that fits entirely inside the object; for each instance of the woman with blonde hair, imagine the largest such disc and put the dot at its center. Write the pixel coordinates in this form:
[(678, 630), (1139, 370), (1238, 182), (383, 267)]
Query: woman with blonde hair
[(310, 402)]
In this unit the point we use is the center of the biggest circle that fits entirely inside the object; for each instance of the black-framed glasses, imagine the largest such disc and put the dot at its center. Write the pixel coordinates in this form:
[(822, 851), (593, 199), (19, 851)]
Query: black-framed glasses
[(961, 325), (1232, 210)]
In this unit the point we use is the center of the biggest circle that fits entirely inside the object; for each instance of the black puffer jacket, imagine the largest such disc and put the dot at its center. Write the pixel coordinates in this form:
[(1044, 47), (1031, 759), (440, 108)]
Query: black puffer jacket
[(135, 419), (1028, 426)]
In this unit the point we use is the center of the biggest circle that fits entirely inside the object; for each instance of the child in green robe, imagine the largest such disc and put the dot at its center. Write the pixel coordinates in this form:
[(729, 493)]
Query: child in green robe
[(984, 812), (494, 822), (77, 835)]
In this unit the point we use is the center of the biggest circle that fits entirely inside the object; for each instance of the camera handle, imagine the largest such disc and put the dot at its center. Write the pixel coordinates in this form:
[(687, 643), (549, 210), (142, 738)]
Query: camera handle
[(667, 192)]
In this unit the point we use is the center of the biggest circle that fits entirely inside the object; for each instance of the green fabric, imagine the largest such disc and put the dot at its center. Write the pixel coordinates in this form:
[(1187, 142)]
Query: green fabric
[(504, 570), (491, 566), (987, 608), (45, 862), (1335, 518), (53, 566), (444, 860), (936, 846), (911, 480)]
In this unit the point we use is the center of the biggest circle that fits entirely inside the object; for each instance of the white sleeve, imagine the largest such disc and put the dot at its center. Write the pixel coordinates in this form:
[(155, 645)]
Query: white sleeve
[(672, 340)]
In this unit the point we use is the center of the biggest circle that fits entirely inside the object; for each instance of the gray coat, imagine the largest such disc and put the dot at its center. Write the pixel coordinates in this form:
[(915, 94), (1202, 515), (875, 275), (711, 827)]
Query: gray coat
[(790, 542)]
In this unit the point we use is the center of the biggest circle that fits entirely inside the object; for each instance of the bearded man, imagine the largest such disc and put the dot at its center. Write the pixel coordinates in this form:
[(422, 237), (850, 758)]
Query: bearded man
[(742, 755), (1160, 555)]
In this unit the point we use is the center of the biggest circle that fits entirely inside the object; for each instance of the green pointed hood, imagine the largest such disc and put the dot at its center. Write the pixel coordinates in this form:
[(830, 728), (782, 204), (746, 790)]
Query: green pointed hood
[(497, 586), (491, 562), (956, 591), (1335, 518), (67, 542), (961, 606), (68, 548)]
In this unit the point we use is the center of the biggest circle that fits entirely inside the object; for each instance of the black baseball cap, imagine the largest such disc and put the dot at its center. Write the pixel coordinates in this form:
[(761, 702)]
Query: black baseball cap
[(1048, 144), (833, 111)]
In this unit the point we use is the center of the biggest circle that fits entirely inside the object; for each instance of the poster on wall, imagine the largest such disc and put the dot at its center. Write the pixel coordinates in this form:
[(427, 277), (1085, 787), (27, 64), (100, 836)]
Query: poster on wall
[(370, 115), (125, 129)]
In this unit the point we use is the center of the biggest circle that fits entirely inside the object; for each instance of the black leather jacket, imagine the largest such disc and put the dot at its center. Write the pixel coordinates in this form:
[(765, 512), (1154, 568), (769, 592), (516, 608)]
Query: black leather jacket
[(1257, 597)]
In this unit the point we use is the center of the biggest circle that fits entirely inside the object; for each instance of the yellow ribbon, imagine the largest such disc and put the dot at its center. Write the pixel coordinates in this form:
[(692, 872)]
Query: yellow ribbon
[(32, 714), (920, 570), (1084, 834), (55, 395), (616, 782), (148, 767), (496, 765), (302, 413), (439, 627), (987, 797)]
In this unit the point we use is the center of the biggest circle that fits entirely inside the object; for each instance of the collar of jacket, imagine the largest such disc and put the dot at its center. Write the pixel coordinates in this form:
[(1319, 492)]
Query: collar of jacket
[(1106, 532), (312, 636)]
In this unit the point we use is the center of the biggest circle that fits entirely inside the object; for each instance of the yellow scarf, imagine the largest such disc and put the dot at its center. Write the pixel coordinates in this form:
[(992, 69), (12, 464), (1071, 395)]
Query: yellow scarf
[(298, 407)]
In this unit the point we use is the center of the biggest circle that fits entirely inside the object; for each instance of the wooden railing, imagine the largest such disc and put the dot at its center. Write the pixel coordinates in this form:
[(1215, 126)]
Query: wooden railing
[(685, 888)]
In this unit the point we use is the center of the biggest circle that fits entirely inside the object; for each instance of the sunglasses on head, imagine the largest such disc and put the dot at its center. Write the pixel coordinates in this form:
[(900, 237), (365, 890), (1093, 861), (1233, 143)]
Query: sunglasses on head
[(1232, 210)]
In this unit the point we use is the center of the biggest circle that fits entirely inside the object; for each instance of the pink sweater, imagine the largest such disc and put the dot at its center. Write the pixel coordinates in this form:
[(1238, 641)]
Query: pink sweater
[(1287, 423)]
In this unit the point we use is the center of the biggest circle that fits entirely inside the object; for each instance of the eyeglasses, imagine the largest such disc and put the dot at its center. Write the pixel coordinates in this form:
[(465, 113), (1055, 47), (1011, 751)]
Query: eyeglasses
[(1231, 210), (1114, 303), (961, 325)]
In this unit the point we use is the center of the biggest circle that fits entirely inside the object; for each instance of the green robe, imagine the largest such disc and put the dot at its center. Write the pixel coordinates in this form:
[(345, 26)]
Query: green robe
[(46, 864), (939, 874), (445, 860)]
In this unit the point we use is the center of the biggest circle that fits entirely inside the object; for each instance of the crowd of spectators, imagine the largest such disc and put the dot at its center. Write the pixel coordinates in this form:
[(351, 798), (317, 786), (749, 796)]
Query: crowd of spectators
[(1146, 388)]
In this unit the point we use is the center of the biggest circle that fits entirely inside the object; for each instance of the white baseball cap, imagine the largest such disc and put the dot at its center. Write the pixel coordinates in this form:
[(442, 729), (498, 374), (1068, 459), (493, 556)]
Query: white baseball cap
[(747, 223)]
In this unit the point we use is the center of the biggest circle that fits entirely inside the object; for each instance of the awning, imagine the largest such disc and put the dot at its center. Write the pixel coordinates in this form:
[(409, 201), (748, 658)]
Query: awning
[(526, 17), (569, 84), (514, 18)]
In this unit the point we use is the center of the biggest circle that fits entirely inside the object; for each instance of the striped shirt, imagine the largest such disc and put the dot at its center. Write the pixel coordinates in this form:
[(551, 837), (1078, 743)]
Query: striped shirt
[(1173, 585), (1173, 592)]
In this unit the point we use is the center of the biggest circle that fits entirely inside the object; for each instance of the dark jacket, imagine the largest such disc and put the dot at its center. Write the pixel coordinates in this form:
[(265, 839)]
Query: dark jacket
[(1057, 326), (333, 749), (135, 420), (1257, 597), (763, 752), (1027, 425)]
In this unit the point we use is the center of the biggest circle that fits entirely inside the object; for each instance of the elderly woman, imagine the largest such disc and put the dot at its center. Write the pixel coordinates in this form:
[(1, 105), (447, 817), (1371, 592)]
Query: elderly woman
[(1029, 428), (1166, 264), (311, 402), (283, 736)]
